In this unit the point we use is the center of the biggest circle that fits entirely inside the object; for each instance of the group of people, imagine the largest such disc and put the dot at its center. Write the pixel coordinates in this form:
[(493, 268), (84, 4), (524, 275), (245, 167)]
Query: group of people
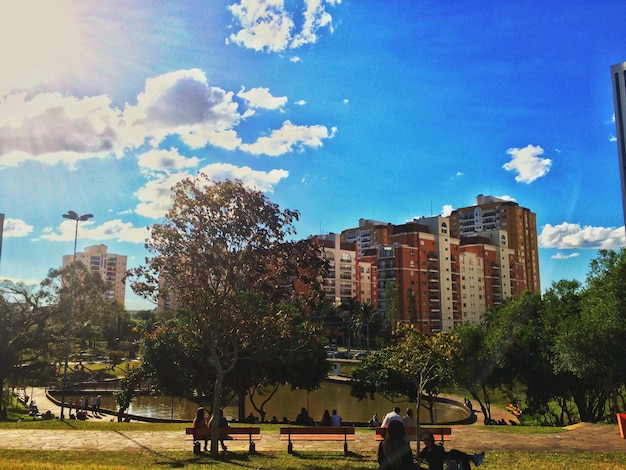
[(303, 419), (203, 423), (84, 405), (333, 420), (394, 452)]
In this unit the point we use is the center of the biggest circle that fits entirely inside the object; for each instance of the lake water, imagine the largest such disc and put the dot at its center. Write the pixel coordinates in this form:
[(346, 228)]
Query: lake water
[(288, 403)]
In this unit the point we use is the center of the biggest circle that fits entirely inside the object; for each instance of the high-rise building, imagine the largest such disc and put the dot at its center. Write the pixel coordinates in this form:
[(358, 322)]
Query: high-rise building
[(369, 233), (491, 215), (439, 281), (340, 285), (111, 267), (618, 77)]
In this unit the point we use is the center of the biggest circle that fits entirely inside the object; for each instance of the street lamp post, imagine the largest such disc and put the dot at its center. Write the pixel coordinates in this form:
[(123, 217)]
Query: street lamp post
[(78, 218)]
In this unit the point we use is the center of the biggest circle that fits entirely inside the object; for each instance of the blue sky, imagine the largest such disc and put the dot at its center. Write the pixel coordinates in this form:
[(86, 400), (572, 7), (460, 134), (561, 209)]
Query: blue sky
[(341, 109)]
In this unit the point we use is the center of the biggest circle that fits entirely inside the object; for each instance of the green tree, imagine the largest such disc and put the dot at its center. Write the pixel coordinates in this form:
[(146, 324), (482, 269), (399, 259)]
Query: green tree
[(414, 367), (222, 252), (83, 291), (25, 333), (473, 365), (590, 345), (424, 360), (392, 314)]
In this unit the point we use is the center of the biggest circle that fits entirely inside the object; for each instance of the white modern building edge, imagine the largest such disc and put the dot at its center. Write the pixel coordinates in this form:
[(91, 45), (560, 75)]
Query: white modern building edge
[(618, 77)]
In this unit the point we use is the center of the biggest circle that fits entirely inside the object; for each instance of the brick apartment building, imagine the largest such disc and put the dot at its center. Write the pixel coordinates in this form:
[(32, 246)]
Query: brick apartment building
[(447, 271)]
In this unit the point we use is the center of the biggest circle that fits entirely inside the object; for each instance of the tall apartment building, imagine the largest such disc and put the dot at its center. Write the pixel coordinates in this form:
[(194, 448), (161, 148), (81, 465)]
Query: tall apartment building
[(441, 280), (491, 215), (369, 233), (341, 283), (618, 77), (111, 267)]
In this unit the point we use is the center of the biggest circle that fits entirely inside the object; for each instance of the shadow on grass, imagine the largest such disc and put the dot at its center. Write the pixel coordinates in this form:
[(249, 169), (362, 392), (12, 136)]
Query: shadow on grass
[(236, 459)]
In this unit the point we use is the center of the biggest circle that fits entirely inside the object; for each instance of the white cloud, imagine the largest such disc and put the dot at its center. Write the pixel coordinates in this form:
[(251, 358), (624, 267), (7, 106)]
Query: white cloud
[(267, 25), (506, 197), (88, 230), (16, 228), (165, 160), (288, 138), (315, 18), (262, 98), (300, 102), (118, 231), (569, 236), (155, 196), (447, 210), (295, 59), (527, 164), (562, 256), (182, 103), (52, 128), (260, 180)]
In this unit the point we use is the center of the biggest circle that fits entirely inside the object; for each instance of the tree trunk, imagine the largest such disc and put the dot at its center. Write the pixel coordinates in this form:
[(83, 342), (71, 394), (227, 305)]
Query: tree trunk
[(241, 397), (217, 394)]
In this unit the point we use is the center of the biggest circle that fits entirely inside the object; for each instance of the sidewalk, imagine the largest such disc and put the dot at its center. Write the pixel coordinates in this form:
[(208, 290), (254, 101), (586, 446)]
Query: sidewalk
[(470, 438), (585, 437)]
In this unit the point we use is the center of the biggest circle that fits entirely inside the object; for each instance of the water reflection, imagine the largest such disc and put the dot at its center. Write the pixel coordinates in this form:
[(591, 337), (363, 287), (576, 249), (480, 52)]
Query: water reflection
[(288, 403)]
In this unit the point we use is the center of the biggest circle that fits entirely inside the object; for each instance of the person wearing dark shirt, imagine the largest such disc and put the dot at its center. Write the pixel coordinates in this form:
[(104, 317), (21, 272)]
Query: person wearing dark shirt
[(436, 456), (201, 428), (394, 453)]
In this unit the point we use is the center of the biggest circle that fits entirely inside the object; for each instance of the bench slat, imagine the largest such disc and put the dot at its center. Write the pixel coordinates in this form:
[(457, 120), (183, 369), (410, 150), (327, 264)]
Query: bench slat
[(440, 434), (318, 430), (317, 437), (318, 433), (229, 433)]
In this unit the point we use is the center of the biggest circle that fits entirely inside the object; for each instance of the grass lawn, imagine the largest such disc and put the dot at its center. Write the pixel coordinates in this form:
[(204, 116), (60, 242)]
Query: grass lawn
[(80, 460), (137, 460)]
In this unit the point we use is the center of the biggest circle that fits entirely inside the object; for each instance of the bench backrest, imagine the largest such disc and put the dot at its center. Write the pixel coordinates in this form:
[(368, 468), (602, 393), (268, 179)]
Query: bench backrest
[(440, 434), (318, 430), (228, 430)]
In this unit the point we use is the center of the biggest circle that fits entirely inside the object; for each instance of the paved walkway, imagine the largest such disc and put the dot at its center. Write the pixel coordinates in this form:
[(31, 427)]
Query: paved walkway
[(581, 437), (586, 437)]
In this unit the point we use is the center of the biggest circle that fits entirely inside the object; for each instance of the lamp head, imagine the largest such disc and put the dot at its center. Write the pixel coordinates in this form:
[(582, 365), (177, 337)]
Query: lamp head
[(74, 216)]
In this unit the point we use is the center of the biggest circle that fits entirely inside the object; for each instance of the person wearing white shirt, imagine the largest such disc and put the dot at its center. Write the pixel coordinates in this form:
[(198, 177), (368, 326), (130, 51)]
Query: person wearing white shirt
[(392, 416)]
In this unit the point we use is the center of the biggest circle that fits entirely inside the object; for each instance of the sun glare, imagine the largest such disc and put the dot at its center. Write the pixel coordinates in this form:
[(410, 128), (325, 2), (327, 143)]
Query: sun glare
[(39, 41)]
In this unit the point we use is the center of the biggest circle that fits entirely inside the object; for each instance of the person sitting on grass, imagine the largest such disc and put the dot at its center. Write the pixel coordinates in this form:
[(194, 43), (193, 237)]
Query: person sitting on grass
[(436, 456)]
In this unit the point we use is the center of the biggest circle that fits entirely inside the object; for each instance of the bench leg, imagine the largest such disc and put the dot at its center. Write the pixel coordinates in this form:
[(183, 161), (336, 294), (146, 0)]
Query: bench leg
[(290, 448), (252, 448), (345, 448)]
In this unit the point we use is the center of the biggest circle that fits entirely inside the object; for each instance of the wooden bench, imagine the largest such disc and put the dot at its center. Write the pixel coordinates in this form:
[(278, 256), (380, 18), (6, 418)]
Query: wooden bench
[(230, 434), (440, 434), (317, 433)]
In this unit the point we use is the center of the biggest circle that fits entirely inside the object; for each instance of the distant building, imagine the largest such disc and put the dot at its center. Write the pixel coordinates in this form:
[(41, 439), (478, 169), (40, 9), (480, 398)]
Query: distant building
[(618, 77), (111, 267), (447, 271), (340, 285), (488, 217)]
